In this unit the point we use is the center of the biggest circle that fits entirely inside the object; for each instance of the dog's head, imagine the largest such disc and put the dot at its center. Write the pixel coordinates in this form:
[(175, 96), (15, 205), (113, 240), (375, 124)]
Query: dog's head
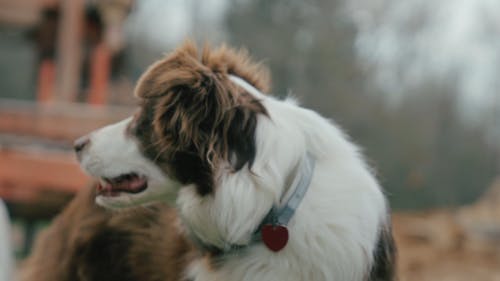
[(194, 124)]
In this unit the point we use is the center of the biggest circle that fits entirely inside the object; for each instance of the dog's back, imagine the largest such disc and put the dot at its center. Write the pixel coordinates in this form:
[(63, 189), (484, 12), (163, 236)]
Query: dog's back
[(86, 242)]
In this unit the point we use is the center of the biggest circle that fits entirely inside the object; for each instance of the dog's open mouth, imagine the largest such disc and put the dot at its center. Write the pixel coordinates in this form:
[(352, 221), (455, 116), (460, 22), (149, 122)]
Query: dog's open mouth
[(129, 183)]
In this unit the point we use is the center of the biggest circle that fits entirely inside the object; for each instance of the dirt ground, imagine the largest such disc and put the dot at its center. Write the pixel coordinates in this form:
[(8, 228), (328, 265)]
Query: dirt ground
[(450, 245), (461, 244), (431, 246)]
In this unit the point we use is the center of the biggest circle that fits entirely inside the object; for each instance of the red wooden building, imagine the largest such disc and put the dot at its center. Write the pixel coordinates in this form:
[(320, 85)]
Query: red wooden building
[(75, 42)]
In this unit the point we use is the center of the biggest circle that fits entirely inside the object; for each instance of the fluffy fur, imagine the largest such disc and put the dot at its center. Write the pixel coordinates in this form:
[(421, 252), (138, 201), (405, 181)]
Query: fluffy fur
[(87, 243), (207, 133)]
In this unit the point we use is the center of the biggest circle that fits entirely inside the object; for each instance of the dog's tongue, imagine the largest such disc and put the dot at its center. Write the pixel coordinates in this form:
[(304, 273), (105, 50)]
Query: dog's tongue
[(106, 189), (131, 184)]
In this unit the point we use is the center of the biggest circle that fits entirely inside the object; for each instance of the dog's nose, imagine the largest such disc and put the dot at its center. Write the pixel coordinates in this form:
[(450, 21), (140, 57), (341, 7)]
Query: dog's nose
[(80, 144)]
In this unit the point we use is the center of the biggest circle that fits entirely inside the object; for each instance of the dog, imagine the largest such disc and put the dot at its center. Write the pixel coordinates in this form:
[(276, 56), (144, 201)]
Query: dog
[(265, 189), (87, 243)]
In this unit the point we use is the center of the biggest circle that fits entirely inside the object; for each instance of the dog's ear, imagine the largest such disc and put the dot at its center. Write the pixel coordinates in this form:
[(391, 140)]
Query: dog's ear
[(198, 110), (181, 68), (196, 115)]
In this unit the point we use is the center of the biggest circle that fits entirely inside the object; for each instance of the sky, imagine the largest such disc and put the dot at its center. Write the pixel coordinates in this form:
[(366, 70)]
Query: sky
[(164, 23), (412, 42)]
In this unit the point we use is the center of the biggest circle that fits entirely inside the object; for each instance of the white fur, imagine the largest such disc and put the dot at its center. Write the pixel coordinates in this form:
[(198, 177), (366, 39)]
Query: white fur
[(334, 231), (112, 153)]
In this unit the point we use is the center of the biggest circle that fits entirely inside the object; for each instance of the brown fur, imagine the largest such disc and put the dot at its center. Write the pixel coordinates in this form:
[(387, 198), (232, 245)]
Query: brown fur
[(193, 117), (88, 243), (384, 267), (188, 65)]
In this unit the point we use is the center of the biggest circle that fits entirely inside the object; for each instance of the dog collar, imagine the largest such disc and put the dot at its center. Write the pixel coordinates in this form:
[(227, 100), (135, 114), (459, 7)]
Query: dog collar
[(273, 231)]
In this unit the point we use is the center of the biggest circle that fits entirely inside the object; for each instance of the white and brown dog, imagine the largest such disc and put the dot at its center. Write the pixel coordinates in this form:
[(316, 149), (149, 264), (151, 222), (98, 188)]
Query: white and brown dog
[(268, 190)]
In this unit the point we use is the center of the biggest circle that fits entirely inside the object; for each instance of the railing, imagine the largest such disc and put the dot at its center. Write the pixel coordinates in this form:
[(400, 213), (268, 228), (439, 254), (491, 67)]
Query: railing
[(36, 141)]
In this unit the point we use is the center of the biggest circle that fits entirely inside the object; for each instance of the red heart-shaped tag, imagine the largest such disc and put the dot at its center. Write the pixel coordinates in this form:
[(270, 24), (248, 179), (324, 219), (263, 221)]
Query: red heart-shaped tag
[(275, 237)]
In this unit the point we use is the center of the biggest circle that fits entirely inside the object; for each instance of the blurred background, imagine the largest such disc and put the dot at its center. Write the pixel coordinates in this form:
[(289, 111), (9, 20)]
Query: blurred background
[(416, 83)]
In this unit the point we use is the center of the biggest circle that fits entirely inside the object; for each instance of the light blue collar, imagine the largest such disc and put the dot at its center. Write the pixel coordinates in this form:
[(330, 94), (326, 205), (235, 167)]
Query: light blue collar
[(300, 185), (278, 215)]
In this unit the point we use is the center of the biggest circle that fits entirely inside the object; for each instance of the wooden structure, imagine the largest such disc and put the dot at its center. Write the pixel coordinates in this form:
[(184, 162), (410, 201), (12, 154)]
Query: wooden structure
[(36, 137), (35, 146), (38, 170), (75, 41)]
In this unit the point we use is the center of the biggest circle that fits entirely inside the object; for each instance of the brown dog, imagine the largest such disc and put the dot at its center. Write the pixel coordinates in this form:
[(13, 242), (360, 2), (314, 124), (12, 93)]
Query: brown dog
[(86, 242)]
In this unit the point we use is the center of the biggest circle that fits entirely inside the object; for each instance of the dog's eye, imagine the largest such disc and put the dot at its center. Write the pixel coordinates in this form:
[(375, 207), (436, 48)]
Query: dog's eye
[(133, 124), (141, 125), (132, 128)]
